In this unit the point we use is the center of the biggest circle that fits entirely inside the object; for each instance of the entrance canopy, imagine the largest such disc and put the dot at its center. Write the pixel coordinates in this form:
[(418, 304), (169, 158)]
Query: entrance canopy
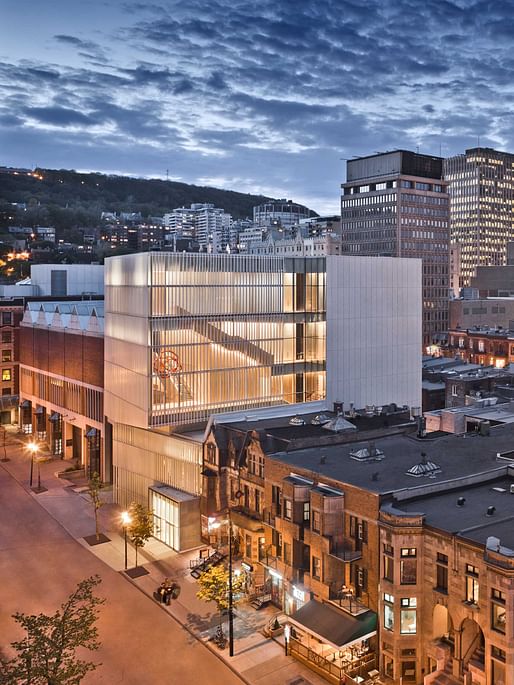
[(332, 626)]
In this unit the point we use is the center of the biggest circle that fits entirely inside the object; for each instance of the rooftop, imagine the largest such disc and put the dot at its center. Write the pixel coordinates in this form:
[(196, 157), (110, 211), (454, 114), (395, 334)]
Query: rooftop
[(470, 518), (462, 460)]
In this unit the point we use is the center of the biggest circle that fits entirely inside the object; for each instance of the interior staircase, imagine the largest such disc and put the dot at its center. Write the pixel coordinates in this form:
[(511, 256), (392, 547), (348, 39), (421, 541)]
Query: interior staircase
[(446, 677)]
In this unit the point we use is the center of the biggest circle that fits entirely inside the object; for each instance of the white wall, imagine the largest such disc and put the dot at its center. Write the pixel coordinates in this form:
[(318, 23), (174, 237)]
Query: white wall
[(374, 330), (81, 278)]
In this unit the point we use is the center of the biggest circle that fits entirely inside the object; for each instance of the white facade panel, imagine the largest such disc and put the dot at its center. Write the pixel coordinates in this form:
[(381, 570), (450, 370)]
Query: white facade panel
[(374, 329)]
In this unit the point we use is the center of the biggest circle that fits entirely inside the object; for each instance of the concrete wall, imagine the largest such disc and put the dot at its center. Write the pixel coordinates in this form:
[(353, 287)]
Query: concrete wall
[(81, 278), (374, 330)]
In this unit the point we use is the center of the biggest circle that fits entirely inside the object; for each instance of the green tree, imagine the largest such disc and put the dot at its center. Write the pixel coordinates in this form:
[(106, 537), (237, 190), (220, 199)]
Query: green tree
[(46, 655), (214, 588), (95, 485), (141, 526)]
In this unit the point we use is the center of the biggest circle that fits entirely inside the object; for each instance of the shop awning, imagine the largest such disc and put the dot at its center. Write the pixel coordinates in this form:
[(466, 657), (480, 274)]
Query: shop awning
[(333, 626)]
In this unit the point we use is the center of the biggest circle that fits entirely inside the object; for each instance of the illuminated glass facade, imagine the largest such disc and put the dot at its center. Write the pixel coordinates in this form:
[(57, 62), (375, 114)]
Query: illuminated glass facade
[(189, 335), (481, 199), (395, 204)]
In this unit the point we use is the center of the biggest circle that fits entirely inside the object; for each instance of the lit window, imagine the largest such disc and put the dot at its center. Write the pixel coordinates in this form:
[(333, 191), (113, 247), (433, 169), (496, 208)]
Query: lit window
[(6, 374), (472, 586), (316, 521), (388, 612), (306, 511), (316, 568), (408, 616), (498, 613)]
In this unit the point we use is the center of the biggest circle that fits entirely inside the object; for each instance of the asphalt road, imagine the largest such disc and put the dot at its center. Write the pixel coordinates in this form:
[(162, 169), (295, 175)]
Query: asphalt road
[(40, 564)]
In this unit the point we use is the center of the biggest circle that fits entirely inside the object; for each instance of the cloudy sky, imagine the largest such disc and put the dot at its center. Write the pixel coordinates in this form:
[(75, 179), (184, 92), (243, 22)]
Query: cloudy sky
[(264, 96)]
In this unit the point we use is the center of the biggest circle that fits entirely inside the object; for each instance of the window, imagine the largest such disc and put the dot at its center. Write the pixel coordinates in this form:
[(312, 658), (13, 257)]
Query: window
[(362, 531), (276, 541), (6, 391), (288, 509), (258, 501), (7, 337), (275, 498), (442, 573), (388, 612), (498, 613), (248, 546), (6, 374), (481, 346), (210, 456), (287, 553), (408, 566), (6, 318), (408, 616), (6, 355), (316, 521), (306, 511), (256, 464), (471, 584), (455, 390), (361, 578), (316, 568), (388, 561)]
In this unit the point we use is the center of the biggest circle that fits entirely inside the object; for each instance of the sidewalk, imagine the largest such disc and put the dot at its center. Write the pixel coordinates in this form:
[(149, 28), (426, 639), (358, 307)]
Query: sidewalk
[(257, 660)]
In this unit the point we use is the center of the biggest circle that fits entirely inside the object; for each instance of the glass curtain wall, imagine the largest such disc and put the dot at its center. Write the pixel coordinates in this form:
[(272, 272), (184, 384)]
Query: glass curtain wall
[(234, 331)]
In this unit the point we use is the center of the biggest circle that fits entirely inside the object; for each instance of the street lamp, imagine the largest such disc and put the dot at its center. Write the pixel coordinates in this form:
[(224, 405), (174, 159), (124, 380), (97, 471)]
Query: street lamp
[(237, 496), (33, 448), (125, 520)]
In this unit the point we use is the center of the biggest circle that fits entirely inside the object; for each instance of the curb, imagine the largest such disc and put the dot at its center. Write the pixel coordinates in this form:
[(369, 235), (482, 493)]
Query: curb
[(207, 645)]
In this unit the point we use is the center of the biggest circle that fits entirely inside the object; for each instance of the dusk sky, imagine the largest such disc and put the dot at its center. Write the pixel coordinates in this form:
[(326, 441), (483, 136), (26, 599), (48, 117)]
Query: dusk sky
[(264, 96)]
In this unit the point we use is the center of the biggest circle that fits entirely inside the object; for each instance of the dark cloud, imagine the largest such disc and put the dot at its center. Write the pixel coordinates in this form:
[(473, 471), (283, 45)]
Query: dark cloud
[(58, 116), (266, 94)]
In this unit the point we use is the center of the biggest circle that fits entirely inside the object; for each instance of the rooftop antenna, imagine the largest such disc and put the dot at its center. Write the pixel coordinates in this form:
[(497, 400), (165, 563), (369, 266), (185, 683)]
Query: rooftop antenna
[(167, 174)]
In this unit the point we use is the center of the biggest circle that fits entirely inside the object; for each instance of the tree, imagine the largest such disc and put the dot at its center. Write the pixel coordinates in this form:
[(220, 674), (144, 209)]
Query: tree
[(141, 526), (95, 485), (214, 588), (46, 655)]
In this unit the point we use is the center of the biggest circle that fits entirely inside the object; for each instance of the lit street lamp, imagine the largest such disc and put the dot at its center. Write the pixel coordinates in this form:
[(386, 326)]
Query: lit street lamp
[(125, 520), (33, 448)]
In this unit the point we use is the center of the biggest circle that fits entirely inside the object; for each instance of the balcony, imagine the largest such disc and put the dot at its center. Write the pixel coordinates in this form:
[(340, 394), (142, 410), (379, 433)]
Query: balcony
[(344, 552), (347, 601)]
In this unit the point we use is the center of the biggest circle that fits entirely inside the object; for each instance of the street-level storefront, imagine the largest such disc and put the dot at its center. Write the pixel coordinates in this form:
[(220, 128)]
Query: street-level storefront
[(339, 646)]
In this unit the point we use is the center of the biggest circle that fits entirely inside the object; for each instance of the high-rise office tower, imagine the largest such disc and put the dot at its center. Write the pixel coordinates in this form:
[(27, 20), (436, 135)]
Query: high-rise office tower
[(396, 204), (481, 187)]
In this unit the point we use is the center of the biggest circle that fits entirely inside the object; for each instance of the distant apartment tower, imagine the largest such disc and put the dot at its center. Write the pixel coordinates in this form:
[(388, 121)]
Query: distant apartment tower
[(208, 225), (283, 212), (396, 204), (481, 187)]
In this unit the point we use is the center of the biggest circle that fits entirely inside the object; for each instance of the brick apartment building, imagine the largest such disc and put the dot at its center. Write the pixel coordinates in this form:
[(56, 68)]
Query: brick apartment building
[(11, 313), (404, 541)]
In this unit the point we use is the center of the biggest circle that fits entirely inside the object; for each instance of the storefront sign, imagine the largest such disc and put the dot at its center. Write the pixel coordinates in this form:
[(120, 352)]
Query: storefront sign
[(298, 594)]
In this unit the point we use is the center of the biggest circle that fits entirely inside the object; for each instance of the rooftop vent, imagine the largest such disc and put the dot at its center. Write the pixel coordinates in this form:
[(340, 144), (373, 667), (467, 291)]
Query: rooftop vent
[(424, 468), (461, 501), (369, 453), (320, 420), (338, 424), (296, 421), (490, 511)]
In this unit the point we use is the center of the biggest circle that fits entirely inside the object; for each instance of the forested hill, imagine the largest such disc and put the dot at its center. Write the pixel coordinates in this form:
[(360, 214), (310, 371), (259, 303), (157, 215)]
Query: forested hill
[(67, 199)]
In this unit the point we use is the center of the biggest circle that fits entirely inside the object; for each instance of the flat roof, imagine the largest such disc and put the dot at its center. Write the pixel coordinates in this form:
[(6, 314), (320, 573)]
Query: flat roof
[(459, 458), (470, 520)]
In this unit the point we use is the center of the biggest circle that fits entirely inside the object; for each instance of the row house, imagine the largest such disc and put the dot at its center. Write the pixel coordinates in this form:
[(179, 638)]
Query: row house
[(390, 553), (488, 347)]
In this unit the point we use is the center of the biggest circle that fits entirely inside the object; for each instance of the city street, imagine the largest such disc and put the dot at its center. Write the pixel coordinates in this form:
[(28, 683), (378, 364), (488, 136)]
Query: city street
[(41, 563)]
